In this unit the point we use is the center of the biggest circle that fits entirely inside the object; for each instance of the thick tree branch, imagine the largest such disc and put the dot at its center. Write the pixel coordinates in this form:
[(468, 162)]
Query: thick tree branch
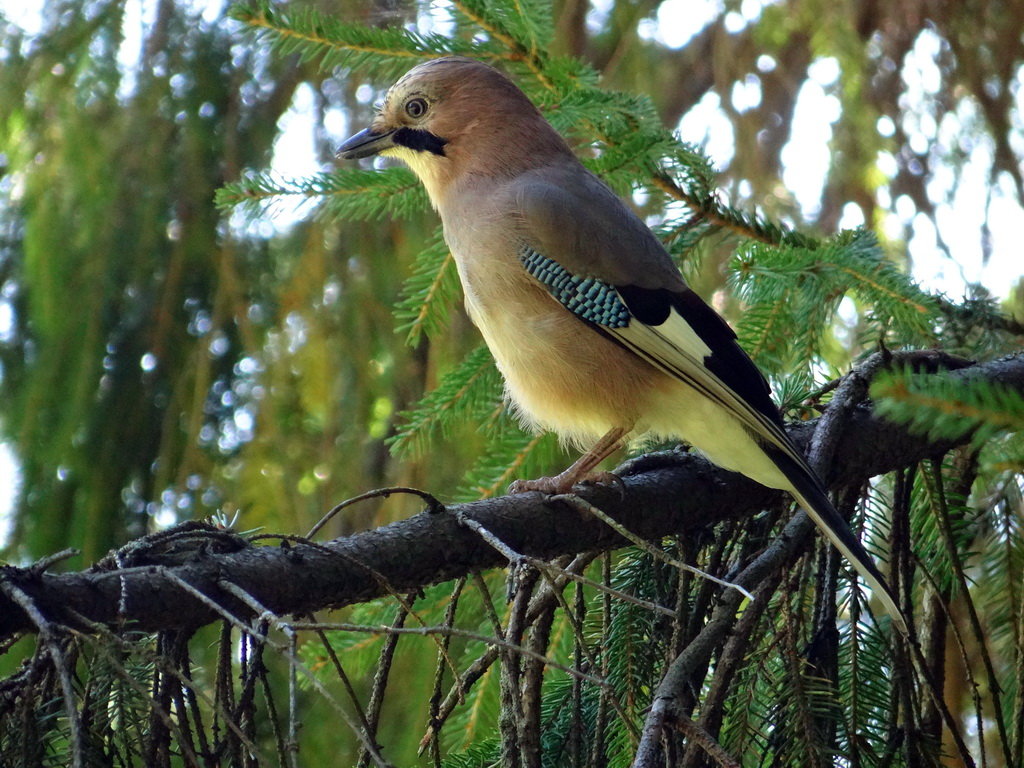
[(662, 494)]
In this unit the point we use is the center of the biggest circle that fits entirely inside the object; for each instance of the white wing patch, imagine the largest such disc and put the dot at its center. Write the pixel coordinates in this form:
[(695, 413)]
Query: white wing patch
[(681, 335), (677, 349)]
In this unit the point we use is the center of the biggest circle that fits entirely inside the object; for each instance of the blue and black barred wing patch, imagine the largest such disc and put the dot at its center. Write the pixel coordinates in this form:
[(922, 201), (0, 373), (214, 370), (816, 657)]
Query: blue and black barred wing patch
[(586, 297)]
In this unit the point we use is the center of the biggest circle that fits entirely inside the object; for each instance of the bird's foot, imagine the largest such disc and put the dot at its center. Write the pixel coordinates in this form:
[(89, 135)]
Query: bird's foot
[(564, 482)]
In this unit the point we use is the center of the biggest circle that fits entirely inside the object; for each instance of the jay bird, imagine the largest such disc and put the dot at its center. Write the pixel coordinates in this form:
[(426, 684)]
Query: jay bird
[(595, 332)]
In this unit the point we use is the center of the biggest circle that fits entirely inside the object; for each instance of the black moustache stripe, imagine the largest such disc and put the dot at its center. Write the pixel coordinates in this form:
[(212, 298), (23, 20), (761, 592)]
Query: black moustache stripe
[(419, 140)]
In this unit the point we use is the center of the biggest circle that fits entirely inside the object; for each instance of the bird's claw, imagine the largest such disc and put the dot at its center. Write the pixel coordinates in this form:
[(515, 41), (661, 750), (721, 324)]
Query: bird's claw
[(565, 483), (550, 485), (608, 479)]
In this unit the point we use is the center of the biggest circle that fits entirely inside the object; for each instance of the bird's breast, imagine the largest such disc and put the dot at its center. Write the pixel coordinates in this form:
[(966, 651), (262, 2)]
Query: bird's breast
[(560, 373)]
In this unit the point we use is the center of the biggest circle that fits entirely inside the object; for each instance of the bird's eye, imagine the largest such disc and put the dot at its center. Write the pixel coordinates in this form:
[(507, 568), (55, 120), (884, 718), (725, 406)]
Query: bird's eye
[(416, 108)]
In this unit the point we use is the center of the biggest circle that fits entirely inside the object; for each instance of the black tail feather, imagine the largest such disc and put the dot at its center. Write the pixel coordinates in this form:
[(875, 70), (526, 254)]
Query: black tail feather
[(810, 493)]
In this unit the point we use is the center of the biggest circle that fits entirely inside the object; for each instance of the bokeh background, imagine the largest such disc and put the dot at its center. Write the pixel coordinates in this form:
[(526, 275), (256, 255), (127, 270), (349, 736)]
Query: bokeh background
[(163, 358)]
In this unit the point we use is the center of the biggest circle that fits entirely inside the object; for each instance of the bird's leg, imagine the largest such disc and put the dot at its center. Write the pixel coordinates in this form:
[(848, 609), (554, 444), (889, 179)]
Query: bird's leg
[(582, 469)]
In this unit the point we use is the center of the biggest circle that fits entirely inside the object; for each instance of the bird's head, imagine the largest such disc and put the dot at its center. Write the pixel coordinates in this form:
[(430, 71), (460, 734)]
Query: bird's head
[(454, 116)]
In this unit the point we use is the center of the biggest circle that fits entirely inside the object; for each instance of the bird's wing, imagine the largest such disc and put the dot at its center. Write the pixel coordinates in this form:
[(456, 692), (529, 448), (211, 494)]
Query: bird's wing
[(604, 265)]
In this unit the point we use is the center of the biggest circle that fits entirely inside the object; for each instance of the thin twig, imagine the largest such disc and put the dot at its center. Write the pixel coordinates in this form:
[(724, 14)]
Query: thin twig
[(345, 681), (510, 554), (531, 684), (552, 580), (44, 564), (735, 653), (433, 505), (380, 629), (597, 751), (585, 506), (625, 597), (536, 562), (160, 663), (577, 725), (253, 603), (488, 602), (51, 642), (463, 682), (697, 735), (510, 715), (380, 678), (273, 717), (965, 655), (484, 662), (373, 572), (434, 725), (293, 703), (946, 529), (677, 677), (581, 643)]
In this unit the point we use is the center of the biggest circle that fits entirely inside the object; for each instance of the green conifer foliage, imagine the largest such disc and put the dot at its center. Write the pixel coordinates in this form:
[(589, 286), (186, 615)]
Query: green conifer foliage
[(179, 347)]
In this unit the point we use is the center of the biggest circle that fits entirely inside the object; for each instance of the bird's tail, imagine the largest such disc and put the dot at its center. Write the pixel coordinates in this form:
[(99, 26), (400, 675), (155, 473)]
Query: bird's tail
[(810, 494)]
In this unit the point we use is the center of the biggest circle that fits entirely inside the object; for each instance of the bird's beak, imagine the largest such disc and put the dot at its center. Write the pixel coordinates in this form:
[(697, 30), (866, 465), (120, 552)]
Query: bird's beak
[(366, 143)]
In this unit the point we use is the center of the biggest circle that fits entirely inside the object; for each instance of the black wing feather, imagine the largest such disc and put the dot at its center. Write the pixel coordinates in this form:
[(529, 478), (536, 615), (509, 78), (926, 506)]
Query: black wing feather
[(728, 361)]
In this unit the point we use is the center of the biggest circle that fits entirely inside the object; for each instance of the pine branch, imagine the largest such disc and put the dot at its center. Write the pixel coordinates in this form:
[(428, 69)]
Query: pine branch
[(942, 408), (348, 193), (313, 36), (429, 293), (525, 27), (792, 294), (495, 23), (707, 208), (980, 312), (470, 391), (678, 493)]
